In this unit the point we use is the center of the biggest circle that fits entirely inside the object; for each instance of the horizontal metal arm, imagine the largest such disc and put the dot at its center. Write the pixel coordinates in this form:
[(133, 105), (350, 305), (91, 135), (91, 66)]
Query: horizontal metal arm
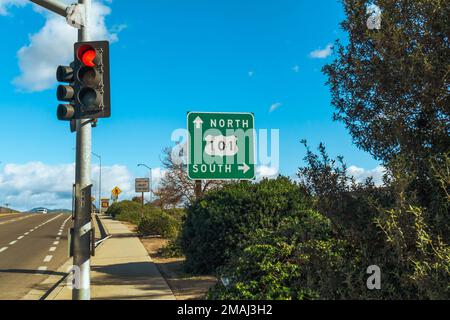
[(53, 5)]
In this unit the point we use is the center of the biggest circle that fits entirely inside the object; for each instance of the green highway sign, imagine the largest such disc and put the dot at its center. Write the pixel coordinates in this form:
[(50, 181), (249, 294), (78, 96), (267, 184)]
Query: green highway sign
[(221, 146)]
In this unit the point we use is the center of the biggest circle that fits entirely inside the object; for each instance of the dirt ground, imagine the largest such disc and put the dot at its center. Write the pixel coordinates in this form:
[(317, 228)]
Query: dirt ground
[(184, 286)]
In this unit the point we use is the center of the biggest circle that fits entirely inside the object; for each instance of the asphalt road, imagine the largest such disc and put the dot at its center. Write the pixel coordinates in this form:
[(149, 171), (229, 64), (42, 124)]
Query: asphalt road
[(32, 246)]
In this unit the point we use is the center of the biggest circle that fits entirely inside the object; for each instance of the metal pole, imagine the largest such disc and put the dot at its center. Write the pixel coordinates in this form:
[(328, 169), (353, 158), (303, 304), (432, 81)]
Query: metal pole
[(100, 188), (82, 243), (53, 5), (142, 199), (151, 186)]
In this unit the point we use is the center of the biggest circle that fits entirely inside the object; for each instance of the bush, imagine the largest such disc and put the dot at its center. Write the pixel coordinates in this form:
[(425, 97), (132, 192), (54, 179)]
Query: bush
[(300, 260), (389, 226), (158, 223), (128, 211), (226, 219), (171, 250), (177, 213)]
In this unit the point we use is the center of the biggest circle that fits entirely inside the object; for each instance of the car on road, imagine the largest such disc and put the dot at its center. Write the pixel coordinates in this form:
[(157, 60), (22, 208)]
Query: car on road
[(41, 211)]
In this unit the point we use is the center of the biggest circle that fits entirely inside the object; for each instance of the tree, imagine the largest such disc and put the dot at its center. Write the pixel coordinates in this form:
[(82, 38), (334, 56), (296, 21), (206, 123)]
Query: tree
[(390, 87), (175, 187)]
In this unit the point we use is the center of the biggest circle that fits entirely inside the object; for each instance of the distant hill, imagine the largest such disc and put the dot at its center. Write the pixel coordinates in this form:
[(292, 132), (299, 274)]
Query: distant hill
[(8, 210)]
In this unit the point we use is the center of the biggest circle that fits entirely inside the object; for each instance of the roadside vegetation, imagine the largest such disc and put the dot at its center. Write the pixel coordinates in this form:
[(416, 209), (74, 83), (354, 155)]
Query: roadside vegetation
[(150, 220), (315, 237)]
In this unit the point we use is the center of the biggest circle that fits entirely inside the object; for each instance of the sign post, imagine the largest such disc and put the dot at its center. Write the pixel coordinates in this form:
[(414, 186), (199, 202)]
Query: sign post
[(105, 205), (221, 146), (116, 192), (142, 186)]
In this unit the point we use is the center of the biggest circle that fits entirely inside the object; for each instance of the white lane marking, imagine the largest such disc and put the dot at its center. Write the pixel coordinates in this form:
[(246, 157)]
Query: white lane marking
[(58, 238), (60, 234), (55, 243), (42, 268), (26, 233), (3, 249), (20, 238), (52, 249), (48, 258), (13, 242)]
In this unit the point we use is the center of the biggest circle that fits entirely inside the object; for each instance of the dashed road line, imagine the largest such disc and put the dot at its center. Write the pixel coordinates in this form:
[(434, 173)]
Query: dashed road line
[(52, 249), (13, 242), (3, 249), (48, 258), (15, 220)]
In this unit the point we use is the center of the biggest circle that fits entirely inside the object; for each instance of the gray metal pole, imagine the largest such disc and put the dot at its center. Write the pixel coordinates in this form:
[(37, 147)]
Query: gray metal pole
[(83, 221), (53, 5)]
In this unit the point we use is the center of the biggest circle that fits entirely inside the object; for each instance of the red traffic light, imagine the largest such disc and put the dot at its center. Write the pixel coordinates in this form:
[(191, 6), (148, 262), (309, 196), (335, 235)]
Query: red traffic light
[(86, 54)]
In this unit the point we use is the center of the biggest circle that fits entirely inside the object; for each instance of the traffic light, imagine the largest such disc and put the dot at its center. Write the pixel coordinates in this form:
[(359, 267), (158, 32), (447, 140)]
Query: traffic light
[(88, 83)]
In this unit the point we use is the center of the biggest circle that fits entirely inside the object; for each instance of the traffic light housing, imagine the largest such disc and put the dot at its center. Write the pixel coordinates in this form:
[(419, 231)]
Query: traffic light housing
[(87, 91)]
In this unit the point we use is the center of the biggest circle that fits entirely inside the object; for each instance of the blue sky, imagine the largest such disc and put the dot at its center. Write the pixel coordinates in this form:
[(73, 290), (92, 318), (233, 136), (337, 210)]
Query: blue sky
[(173, 56)]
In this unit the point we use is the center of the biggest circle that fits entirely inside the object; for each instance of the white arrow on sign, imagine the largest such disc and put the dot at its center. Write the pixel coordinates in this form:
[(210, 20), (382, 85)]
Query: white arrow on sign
[(244, 168), (198, 123)]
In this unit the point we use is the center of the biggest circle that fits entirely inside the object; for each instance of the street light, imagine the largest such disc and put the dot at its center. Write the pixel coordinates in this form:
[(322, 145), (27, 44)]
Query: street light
[(151, 179)]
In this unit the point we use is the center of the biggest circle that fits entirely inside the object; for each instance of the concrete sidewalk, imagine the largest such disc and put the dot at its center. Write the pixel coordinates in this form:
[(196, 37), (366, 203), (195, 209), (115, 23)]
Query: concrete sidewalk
[(121, 270)]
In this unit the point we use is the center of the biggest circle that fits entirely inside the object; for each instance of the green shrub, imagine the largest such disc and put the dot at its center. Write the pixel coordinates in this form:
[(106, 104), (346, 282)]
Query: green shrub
[(172, 250), (177, 213), (128, 211), (224, 220), (158, 223), (300, 260)]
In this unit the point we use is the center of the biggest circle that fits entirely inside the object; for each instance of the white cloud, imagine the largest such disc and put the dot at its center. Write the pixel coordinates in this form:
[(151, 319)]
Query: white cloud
[(266, 172), (275, 106), (322, 53), (361, 174), (36, 184), (5, 4), (53, 45)]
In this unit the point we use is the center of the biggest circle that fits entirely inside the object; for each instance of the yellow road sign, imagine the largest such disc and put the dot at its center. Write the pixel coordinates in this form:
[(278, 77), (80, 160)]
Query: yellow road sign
[(116, 191)]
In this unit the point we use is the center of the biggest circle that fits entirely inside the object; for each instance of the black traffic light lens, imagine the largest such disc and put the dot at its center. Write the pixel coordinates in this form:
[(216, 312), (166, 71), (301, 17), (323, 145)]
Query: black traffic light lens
[(64, 74), (65, 112), (89, 98), (89, 77), (65, 93)]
